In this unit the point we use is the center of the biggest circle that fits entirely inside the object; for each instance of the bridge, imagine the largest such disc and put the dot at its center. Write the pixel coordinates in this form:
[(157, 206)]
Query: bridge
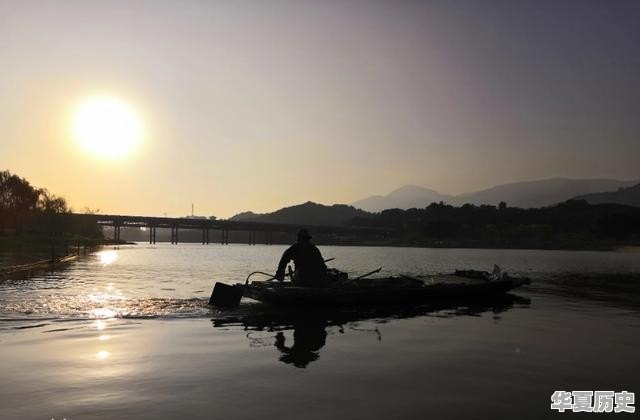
[(224, 226)]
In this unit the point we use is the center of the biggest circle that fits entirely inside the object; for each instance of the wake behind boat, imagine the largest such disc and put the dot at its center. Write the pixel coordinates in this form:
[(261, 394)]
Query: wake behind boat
[(343, 291)]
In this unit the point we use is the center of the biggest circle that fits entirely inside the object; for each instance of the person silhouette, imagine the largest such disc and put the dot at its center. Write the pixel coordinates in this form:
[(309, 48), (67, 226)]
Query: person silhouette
[(310, 267), (309, 336)]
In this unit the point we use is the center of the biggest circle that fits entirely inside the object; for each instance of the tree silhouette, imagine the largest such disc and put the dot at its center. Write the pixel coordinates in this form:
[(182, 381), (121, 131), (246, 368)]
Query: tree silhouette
[(21, 203)]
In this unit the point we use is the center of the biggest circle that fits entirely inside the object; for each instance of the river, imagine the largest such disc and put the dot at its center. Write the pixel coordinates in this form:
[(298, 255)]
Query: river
[(126, 333)]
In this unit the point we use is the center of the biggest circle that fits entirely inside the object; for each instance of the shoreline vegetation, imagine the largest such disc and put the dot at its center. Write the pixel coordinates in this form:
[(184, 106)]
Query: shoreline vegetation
[(30, 233)]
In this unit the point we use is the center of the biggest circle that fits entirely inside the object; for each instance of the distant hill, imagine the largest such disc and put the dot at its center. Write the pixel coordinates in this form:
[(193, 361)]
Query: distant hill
[(629, 196), (520, 194), (543, 192), (245, 216), (405, 197), (308, 213)]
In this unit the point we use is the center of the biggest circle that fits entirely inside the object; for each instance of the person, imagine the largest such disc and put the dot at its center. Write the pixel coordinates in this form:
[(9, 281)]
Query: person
[(309, 336), (310, 267)]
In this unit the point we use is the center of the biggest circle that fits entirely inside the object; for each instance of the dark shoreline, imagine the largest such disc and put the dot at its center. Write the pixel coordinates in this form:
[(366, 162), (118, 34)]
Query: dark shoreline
[(28, 253), (604, 246), (39, 252)]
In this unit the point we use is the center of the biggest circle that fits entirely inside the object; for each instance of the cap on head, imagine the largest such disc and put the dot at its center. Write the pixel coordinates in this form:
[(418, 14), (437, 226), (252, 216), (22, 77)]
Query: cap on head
[(303, 235)]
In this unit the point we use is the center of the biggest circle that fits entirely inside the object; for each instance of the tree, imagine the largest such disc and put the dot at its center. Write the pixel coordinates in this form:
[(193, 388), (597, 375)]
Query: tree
[(51, 203), (17, 200), (21, 203)]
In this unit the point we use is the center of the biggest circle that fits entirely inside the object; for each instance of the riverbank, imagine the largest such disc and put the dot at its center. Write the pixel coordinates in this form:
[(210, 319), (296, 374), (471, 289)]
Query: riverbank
[(632, 249), (33, 250), (473, 244), (628, 246), (35, 267)]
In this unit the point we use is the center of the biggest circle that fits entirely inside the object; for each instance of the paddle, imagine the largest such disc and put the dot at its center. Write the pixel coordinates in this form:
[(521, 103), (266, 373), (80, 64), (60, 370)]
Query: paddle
[(368, 274)]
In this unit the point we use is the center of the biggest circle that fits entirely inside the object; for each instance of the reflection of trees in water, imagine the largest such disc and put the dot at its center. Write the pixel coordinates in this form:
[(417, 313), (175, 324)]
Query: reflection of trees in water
[(309, 326), (619, 290)]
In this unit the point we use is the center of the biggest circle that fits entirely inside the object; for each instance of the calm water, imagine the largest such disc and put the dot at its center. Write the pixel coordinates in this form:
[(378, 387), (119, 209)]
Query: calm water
[(126, 333)]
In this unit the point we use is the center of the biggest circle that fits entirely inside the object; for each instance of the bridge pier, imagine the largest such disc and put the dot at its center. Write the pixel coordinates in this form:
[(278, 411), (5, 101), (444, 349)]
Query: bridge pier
[(174, 234), (253, 229)]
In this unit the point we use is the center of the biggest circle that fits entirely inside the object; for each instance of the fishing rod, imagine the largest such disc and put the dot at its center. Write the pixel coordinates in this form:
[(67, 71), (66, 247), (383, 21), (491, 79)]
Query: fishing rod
[(272, 277)]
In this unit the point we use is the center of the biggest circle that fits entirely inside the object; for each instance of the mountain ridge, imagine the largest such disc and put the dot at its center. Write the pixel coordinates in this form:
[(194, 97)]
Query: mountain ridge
[(525, 194), (308, 213), (628, 196), (407, 196)]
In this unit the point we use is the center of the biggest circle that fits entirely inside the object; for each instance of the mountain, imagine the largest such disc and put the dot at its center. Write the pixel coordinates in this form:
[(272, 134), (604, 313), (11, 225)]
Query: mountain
[(307, 214), (629, 196), (405, 197), (245, 216), (542, 192), (520, 194)]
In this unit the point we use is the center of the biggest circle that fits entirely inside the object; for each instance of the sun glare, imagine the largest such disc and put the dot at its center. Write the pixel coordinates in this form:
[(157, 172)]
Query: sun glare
[(107, 257), (107, 127)]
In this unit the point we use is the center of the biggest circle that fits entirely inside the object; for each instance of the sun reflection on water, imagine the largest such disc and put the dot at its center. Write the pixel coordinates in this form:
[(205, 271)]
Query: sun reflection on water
[(104, 300), (107, 256), (105, 313), (100, 325)]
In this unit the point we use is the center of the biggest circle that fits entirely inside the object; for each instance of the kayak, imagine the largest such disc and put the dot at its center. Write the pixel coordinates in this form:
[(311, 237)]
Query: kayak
[(374, 291), (388, 290)]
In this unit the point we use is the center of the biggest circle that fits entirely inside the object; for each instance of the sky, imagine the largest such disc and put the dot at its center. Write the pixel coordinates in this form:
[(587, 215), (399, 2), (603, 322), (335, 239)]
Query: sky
[(256, 105)]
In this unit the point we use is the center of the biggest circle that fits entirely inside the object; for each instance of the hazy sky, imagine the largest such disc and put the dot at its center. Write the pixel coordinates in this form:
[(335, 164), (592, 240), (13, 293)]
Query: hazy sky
[(253, 105)]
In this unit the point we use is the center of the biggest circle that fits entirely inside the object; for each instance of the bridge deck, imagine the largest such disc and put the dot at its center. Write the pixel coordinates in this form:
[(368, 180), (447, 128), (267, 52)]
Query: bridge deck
[(206, 225), (188, 223)]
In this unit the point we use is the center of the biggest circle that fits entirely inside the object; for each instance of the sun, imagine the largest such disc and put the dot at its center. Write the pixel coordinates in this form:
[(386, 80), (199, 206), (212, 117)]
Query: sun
[(107, 126)]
